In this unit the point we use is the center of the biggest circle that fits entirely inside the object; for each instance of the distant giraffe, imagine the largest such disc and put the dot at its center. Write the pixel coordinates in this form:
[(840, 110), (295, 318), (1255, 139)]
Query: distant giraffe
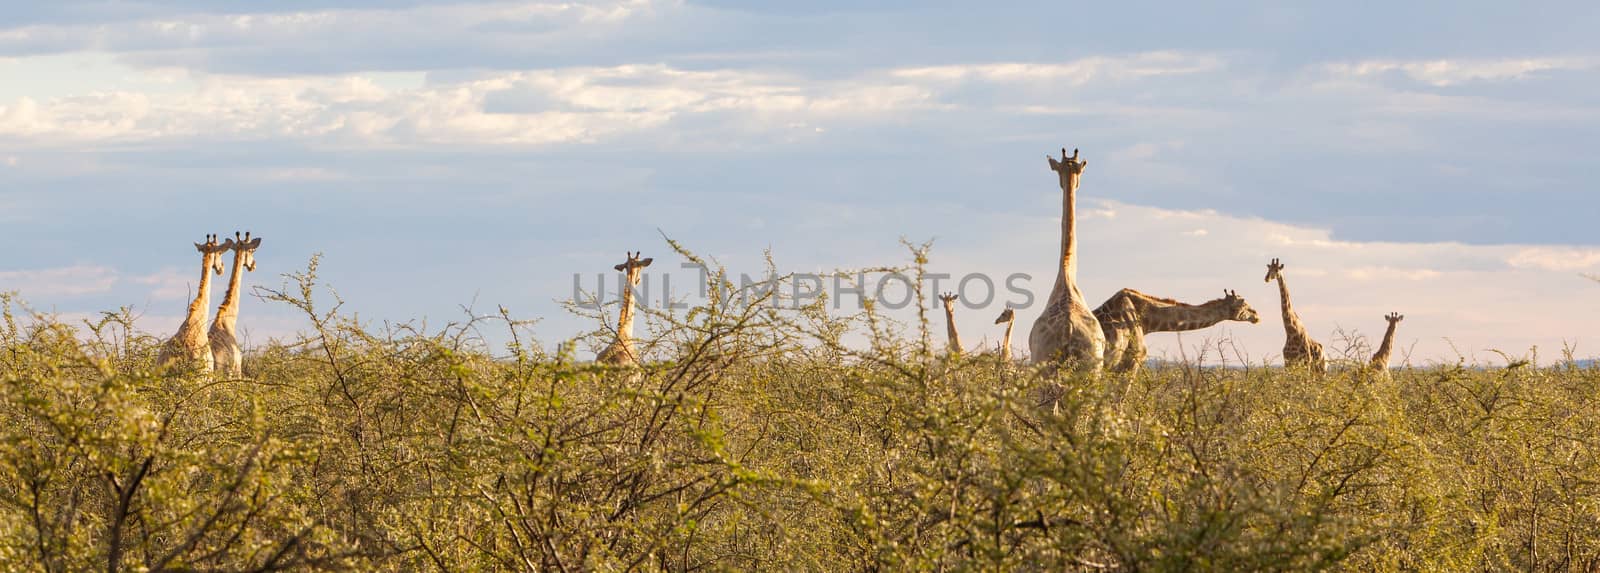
[(621, 350), (949, 301), (1380, 359), (190, 345), (1067, 331), (1009, 317), (1298, 347), (1129, 315), (224, 329)]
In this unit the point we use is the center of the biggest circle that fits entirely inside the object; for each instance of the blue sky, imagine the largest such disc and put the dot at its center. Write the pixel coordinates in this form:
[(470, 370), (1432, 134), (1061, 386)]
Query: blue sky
[(1433, 159)]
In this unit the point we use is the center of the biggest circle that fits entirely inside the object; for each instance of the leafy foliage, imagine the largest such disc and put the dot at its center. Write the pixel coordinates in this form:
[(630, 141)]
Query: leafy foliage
[(757, 438)]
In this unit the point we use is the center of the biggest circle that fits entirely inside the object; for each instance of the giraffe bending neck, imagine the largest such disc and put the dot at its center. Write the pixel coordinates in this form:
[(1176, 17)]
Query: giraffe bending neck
[(1184, 317), (1129, 315)]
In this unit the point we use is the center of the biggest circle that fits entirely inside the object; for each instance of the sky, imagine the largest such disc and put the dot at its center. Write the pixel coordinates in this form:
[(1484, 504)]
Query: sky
[(1433, 159)]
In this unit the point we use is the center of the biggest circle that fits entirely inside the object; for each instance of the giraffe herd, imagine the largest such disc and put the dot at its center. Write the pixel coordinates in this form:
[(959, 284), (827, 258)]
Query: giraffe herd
[(1068, 333), (1112, 336)]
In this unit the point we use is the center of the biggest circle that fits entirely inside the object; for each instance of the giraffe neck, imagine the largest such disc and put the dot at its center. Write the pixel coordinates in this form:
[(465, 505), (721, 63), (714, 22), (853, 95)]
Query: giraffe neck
[(625, 315), (193, 327), (1291, 322), (1067, 275), (1181, 317), (950, 328), (228, 313), (1380, 359), (1005, 343)]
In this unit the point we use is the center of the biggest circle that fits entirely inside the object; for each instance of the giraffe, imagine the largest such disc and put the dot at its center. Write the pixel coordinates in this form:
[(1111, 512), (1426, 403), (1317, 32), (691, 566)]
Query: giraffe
[(190, 344), (1067, 331), (1380, 359), (949, 301), (621, 351), (224, 328), (1129, 315), (1009, 317), (1298, 347)]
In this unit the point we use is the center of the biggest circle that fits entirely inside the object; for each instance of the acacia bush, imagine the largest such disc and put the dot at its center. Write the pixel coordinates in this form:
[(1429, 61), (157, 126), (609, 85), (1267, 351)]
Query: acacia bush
[(767, 436)]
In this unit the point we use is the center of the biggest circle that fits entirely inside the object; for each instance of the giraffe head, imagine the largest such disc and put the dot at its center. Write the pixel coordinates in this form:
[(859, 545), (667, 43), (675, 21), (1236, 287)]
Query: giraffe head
[(246, 249), (949, 300), (1068, 168), (1394, 317), (1237, 308), (1006, 315), (1274, 269), (632, 266), (212, 251)]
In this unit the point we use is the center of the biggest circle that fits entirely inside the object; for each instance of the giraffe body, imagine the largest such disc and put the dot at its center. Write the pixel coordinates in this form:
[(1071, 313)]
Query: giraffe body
[(1009, 317), (1129, 315), (621, 351), (954, 344), (1299, 350), (1067, 332), (190, 347), (1380, 359), (224, 337)]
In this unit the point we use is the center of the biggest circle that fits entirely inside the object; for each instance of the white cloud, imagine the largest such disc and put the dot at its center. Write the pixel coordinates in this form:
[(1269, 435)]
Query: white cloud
[(1559, 259), (577, 105), (467, 23), (1075, 72), (73, 281), (167, 284), (1445, 73)]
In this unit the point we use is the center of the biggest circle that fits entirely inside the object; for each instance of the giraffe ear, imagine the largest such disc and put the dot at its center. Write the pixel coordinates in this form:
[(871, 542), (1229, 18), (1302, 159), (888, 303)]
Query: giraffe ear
[(645, 262), (1054, 165), (621, 267)]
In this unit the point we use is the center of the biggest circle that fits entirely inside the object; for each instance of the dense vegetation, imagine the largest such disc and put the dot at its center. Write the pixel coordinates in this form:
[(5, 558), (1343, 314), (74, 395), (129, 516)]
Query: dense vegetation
[(758, 438)]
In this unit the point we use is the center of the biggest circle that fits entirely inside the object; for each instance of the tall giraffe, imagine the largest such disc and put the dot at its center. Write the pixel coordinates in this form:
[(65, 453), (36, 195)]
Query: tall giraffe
[(1380, 359), (1009, 317), (1298, 347), (1067, 331), (224, 329), (190, 344), (949, 301), (621, 350), (1129, 315)]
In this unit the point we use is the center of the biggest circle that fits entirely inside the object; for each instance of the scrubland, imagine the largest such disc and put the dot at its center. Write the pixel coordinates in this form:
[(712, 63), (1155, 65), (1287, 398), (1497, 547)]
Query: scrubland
[(767, 437)]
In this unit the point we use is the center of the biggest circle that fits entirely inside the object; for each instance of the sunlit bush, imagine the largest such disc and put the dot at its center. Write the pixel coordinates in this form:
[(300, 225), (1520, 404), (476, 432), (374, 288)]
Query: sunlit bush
[(755, 437)]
